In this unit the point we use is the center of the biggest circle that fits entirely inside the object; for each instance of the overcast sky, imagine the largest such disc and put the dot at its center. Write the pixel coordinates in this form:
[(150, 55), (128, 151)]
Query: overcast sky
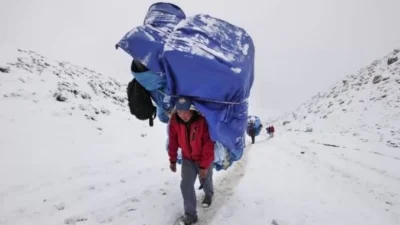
[(302, 47)]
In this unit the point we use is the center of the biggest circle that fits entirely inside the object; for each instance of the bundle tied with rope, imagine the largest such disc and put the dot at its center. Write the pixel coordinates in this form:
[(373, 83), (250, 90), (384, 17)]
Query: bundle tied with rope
[(206, 59)]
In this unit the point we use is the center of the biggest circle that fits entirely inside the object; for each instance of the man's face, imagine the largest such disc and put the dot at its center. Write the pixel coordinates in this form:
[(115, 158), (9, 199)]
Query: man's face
[(185, 115)]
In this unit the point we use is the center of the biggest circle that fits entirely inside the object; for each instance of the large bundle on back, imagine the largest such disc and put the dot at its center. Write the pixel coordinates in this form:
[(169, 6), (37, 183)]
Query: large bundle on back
[(205, 58), (254, 122), (212, 61)]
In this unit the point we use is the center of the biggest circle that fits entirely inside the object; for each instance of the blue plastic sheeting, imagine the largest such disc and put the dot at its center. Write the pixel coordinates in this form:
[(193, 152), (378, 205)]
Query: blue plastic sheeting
[(146, 43), (202, 57), (256, 123), (162, 114), (212, 55)]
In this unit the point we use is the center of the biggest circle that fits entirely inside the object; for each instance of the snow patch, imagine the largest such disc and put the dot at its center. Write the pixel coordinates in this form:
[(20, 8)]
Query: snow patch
[(245, 49), (196, 35), (149, 36), (236, 70), (146, 59), (132, 32)]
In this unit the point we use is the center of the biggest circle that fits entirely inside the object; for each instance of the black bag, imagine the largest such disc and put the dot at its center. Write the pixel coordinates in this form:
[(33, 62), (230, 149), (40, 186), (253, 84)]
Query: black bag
[(140, 103)]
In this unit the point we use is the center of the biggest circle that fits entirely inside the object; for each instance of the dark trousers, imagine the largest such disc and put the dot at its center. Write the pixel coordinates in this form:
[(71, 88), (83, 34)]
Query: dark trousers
[(190, 171)]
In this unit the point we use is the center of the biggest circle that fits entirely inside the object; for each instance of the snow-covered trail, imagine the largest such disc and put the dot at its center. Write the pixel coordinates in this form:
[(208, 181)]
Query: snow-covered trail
[(291, 181), (224, 188), (117, 191), (274, 183)]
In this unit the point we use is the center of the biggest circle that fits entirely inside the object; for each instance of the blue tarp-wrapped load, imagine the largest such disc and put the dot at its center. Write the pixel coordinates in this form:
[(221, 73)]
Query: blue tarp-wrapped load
[(202, 57), (255, 122)]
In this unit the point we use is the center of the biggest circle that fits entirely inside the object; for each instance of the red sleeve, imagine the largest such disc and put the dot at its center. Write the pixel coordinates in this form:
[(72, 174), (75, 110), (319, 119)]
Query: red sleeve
[(172, 141), (208, 149)]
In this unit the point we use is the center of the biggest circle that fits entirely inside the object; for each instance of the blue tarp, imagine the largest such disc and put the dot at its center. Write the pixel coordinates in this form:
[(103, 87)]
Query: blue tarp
[(201, 57), (146, 43), (255, 122)]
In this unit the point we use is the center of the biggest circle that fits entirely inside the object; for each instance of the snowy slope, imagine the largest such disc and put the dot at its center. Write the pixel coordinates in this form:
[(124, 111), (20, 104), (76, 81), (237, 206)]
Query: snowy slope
[(365, 105), (70, 153), (69, 146), (356, 125)]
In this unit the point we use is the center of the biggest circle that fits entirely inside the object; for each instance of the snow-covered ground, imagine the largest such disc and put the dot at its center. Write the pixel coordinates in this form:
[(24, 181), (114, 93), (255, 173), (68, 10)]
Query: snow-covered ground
[(70, 153)]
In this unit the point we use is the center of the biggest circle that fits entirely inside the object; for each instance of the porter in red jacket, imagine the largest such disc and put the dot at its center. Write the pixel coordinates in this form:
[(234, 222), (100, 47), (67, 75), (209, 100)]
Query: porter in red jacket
[(193, 138), (188, 130)]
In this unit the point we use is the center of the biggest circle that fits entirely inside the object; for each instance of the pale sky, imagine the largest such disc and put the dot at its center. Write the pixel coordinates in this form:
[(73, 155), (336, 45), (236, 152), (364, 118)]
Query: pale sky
[(302, 47)]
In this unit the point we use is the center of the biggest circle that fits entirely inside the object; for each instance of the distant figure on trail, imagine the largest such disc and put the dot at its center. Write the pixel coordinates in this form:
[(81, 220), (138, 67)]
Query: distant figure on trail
[(254, 127), (270, 130), (251, 131)]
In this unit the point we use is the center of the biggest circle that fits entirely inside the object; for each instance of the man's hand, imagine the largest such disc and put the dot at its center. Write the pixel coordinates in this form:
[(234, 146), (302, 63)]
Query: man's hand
[(203, 173), (172, 166)]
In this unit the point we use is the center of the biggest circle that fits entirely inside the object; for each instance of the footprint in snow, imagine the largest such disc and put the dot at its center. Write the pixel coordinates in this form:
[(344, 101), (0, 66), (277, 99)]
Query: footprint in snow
[(130, 209), (105, 220), (278, 222), (147, 192), (133, 199), (60, 206), (259, 202), (74, 220)]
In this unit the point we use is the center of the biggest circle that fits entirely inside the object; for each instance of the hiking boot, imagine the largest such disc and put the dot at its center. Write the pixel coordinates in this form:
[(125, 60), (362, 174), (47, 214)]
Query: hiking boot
[(188, 220), (206, 201)]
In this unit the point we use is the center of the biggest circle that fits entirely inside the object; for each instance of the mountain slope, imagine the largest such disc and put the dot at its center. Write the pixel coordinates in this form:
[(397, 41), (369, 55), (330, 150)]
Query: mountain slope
[(365, 105), (69, 144), (79, 87), (355, 128)]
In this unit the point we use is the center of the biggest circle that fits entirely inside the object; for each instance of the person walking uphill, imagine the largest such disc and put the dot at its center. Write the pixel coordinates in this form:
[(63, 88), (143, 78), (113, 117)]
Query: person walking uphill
[(251, 131), (270, 131), (188, 130)]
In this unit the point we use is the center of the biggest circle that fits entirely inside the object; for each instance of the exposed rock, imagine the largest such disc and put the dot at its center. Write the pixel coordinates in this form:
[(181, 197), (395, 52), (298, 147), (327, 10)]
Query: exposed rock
[(4, 69), (377, 79), (392, 60), (60, 98)]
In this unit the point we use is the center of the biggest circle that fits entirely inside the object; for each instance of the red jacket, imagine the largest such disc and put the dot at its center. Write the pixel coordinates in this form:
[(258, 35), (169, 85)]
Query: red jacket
[(193, 138)]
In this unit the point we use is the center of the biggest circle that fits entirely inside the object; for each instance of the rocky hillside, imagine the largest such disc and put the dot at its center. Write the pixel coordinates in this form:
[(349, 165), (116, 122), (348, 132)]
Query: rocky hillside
[(70, 88), (364, 105)]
